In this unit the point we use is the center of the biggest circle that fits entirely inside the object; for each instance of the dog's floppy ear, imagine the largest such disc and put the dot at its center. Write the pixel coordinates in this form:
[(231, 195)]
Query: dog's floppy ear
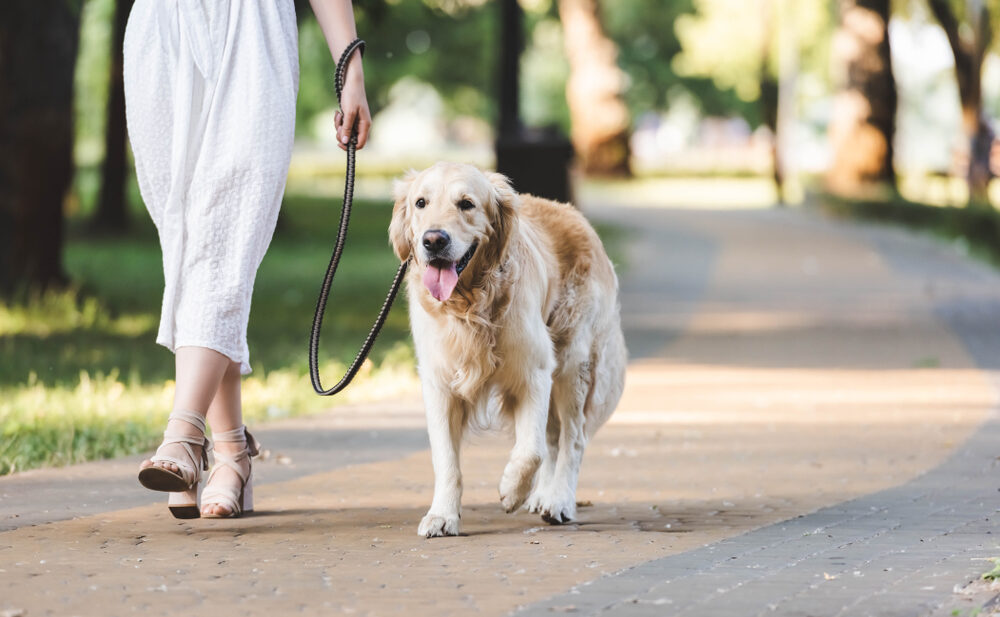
[(397, 226), (503, 192), (505, 202)]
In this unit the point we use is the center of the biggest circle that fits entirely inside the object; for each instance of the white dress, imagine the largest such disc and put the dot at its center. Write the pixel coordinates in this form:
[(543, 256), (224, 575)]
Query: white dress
[(210, 88)]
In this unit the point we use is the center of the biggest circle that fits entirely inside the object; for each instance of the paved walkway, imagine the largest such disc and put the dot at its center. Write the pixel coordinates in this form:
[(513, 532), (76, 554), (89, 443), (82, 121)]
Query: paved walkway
[(808, 429)]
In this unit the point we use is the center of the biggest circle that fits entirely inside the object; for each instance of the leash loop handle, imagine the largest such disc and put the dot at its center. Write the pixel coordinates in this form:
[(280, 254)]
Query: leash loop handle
[(338, 248)]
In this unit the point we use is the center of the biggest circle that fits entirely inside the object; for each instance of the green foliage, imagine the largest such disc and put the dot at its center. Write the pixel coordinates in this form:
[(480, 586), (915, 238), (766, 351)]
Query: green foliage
[(110, 321), (647, 44), (976, 230), (731, 42), (105, 415), (544, 71), (994, 573), (454, 45), (81, 377), (451, 45), (92, 77)]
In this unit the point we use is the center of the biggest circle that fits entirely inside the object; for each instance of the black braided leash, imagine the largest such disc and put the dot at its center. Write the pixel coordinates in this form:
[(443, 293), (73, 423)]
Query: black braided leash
[(345, 215)]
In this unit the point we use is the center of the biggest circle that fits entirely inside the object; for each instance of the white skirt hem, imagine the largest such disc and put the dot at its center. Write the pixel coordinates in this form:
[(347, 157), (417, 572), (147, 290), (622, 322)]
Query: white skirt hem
[(229, 353)]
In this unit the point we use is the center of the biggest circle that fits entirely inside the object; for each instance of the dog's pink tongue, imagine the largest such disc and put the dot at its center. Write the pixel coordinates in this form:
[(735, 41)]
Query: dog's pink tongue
[(441, 281)]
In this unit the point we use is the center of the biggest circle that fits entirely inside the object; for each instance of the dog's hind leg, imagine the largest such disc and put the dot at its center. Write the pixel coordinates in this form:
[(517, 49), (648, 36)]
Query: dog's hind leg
[(530, 407), (445, 423)]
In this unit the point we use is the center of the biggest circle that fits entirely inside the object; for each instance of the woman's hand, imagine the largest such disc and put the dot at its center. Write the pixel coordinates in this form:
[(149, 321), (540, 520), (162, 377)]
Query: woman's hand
[(336, 19), (353, 106)]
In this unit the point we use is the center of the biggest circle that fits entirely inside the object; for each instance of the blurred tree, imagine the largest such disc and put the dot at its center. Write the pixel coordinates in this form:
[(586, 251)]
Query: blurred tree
[(755, 50), (970, 38), (38, 47), (649, 46), (598, 115), (716, 36), (544, 70), (112, 206), (453, 45), (864, 111), (770, 93)]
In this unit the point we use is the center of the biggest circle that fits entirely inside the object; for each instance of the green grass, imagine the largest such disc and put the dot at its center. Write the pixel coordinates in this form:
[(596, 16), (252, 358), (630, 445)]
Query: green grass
[(976, 229), (81, 377), (994, 573)]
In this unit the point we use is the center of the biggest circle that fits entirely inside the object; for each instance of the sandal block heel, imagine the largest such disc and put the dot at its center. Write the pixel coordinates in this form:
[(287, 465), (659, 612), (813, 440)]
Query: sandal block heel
[(184, 504), (247, 501)]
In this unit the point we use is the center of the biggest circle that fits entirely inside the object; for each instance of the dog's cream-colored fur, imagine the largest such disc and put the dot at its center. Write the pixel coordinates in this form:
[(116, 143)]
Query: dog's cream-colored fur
[(530, 336)]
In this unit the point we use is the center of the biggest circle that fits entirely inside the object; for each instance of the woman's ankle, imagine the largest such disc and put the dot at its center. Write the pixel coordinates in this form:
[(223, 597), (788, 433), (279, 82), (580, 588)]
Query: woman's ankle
[(231, 448), (180, 427)]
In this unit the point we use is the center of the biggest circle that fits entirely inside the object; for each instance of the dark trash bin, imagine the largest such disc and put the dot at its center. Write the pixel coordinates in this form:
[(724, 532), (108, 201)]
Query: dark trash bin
[(537, 161)]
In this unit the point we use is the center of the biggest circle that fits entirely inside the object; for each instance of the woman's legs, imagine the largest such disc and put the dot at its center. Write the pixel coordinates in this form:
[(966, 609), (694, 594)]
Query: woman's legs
[(199, 372)]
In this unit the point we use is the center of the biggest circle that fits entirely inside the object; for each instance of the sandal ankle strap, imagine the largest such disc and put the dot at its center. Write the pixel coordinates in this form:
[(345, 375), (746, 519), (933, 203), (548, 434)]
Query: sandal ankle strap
[(196, 420), (193, 418), (239, 435)]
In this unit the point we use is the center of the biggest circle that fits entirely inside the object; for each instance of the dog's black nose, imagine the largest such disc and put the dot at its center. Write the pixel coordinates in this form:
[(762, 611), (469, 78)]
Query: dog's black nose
[(436, 240)]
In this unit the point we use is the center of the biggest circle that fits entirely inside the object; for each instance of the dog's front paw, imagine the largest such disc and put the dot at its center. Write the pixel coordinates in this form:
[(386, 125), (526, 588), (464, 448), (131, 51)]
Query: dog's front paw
[(555, 509), (436, 525), (535, 500), (516, 482)]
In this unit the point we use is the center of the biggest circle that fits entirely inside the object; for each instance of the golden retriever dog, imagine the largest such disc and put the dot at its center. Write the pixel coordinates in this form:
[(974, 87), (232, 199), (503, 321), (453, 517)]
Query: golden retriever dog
[(515, 318)]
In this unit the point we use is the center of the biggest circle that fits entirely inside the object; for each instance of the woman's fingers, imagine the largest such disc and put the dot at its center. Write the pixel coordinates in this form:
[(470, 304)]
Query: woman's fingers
[(338, 122), (353, 109), (344, 122), (347, 125), (364, 125)]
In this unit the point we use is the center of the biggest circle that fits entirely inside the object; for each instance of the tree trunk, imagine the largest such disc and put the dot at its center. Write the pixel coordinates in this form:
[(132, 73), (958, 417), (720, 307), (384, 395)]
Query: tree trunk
[(593, 92), (38, 47), (969, 55), (864, 118), (788, 79), (112, 206), (769, 96)]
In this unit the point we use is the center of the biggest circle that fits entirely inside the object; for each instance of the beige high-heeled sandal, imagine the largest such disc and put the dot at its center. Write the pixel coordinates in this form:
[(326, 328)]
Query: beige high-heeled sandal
[(183, 484), (238, 502)]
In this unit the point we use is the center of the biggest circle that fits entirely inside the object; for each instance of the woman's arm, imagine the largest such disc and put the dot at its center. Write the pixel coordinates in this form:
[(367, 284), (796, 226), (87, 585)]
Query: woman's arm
[(336, 18)]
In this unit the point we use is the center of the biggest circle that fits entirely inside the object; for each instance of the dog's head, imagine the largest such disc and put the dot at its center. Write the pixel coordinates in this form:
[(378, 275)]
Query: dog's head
[(451, 219)]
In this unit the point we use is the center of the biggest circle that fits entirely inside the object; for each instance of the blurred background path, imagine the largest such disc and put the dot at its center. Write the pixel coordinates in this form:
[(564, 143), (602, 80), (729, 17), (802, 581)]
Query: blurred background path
[(808, 429)]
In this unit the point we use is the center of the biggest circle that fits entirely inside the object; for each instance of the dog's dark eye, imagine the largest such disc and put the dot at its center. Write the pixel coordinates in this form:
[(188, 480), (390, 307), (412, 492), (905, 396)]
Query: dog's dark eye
[(465, 204), (421, 203)]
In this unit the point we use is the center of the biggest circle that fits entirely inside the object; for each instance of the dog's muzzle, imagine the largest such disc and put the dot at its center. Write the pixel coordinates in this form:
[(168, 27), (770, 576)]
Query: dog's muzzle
[(441, 275)]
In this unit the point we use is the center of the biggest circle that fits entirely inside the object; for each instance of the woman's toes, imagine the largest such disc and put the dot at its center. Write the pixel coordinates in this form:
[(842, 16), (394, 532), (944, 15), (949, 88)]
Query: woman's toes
[(146, 464), (215, 510)]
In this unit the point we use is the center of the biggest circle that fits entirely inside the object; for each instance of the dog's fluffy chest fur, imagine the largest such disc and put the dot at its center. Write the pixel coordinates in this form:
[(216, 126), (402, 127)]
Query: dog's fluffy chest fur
[(493, 325)]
